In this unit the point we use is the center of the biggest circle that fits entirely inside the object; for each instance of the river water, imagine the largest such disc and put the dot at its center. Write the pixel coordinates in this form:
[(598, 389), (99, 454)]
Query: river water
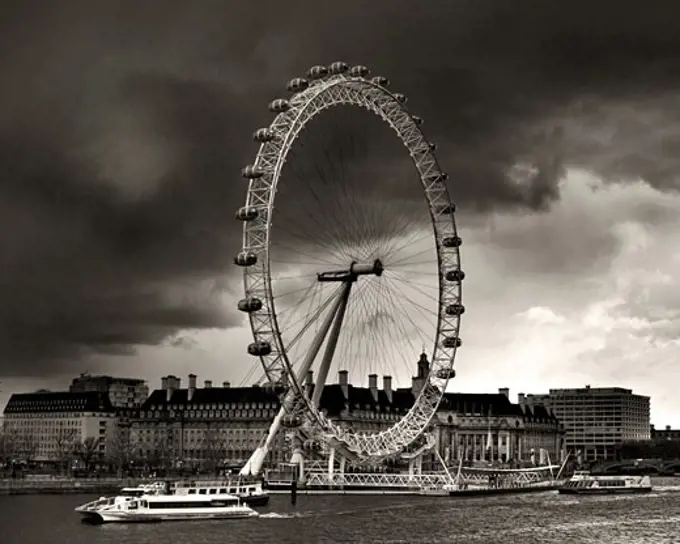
[(535, 518)]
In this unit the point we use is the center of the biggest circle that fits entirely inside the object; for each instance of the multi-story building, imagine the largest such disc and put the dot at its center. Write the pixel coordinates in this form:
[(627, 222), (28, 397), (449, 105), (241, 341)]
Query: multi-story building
[(488, 427), (122, 392), (660, 435), (597, 420), (55, 426), (202, 427), (198, 426)]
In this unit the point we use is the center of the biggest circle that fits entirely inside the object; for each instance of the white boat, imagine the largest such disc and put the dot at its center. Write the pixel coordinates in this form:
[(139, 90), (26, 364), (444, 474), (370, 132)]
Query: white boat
[(154, 488), (583, 483), (162, 507), (249, 492), (438, 491)]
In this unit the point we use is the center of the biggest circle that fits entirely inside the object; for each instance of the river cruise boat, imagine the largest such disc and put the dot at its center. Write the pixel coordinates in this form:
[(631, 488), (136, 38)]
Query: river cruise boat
[(164, 507), (583, 483), (249, 492)]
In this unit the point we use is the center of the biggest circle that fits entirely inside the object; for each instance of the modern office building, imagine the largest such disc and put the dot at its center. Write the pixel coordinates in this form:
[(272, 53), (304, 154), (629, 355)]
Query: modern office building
[(53, 426), (597, 419)]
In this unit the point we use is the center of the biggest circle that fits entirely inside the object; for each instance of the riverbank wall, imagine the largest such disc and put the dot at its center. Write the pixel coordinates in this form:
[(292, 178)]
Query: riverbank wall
[(62, 486)]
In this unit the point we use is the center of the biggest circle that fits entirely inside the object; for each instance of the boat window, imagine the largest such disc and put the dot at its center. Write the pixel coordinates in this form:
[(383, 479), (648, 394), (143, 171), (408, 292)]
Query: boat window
[(132, 505), (223, 490), (144, 504), (201, 491), (212, 491), (192, 492)]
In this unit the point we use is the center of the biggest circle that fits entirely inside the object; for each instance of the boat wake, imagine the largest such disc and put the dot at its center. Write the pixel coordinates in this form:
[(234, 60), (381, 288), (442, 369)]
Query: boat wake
[(276, 515)]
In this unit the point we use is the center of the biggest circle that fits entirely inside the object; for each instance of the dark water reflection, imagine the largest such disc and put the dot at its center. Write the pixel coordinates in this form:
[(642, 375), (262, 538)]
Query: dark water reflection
[(542, 518)]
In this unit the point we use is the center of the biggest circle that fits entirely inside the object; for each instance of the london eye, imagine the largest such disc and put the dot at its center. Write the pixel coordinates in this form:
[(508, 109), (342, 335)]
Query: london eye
[(344, 270)]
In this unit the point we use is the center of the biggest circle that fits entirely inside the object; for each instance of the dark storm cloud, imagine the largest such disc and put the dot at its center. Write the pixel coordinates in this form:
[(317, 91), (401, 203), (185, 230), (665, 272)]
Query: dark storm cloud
[(123, 127)]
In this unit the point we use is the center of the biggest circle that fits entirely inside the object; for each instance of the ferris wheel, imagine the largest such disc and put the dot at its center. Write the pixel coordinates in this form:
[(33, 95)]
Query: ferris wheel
[(343, 264)]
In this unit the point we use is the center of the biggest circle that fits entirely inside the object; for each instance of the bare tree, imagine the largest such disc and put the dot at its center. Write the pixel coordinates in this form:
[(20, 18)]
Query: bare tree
[(28, 446), (213, 448), (88, 450), (159, 456), (9, 447), (122, 450), (65, 444)]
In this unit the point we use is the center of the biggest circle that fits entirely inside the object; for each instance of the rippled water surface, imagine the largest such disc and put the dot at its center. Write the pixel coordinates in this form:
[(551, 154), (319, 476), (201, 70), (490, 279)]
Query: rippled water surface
[(538, 518)]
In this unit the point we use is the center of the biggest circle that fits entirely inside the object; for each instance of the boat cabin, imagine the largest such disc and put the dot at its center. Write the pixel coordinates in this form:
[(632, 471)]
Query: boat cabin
[(218, 488)]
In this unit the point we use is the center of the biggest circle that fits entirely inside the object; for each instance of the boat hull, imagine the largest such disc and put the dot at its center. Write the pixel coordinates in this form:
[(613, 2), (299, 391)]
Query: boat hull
[(603, 491), (255, 500), (97, 518)]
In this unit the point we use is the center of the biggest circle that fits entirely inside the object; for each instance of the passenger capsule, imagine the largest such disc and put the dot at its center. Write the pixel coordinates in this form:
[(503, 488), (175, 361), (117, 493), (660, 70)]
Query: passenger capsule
[(380, 80), (432, 146), (247, 213), (279, 105), (455, 275), (359, 71), (446, 373), (418, 120), (452, 241), (245, 258), (455, 309), (317, 72), (297, 84), (401, 98), (263, 135), (338, 67), (445, 209), (452, 342), (260, 349), (249, 304), (252, 172)]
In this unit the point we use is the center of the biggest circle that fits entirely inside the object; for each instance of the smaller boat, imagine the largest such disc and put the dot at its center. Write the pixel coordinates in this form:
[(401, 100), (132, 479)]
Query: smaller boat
[(583, 483), (155, 488), (438, 491), (160, 507)]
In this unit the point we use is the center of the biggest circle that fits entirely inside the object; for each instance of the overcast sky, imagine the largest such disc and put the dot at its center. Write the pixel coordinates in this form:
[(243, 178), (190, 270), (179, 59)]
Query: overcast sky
[(124, 125)]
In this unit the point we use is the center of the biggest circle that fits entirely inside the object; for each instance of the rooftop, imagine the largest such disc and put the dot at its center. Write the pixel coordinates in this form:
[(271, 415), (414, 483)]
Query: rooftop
[(62, 401)]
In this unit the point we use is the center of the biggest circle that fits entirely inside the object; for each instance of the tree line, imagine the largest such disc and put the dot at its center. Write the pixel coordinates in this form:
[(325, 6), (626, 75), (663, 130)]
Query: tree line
[(121, 454)]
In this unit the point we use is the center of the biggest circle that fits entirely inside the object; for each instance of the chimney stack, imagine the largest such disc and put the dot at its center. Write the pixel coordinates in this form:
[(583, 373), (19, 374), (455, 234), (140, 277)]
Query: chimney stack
[(172, 386), (373, 386), (521, 400), (192, 386), (207, 384), (343, 378), (387, 387), (668, 427), (164, 383), (226, 385), (504, 391)]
